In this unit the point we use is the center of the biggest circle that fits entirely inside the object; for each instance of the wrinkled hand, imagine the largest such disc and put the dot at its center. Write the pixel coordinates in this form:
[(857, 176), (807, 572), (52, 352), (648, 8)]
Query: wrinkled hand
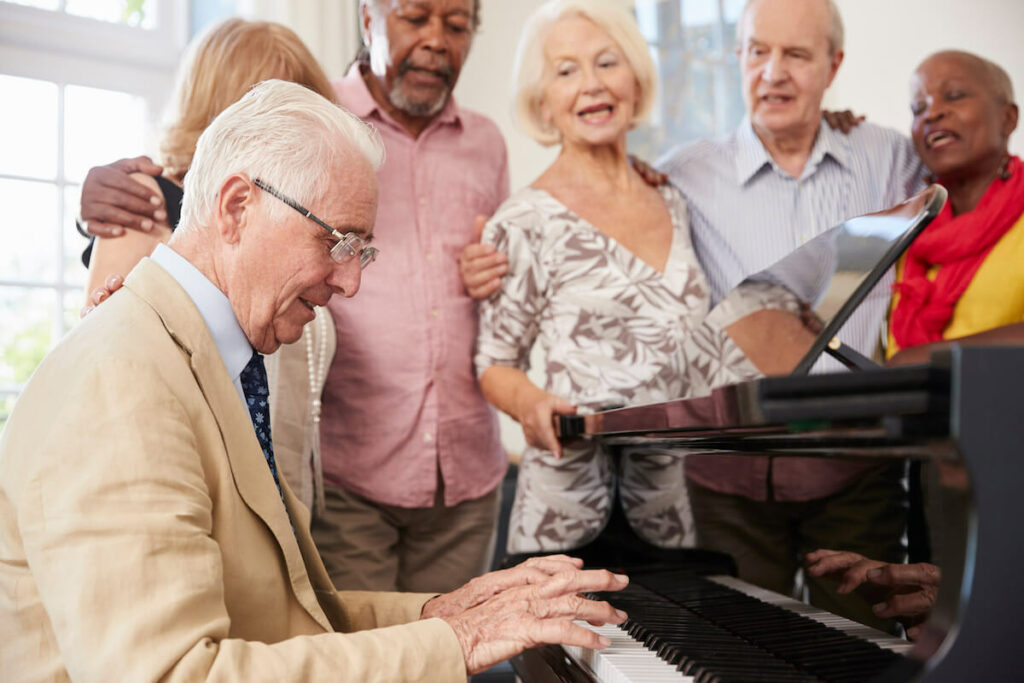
[(481, 265), (100, 294), (112, 200), (535, 412), (843, 121), (651, 176), (533, 571), (905, 592), (498, 615)]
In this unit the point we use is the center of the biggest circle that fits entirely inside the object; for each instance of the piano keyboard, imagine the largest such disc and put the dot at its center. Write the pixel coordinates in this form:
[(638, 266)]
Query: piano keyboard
[(850, 628), (717, 629)]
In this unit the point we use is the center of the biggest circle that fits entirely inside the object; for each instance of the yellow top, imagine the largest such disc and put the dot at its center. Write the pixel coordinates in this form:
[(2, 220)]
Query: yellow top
[(995, 296)]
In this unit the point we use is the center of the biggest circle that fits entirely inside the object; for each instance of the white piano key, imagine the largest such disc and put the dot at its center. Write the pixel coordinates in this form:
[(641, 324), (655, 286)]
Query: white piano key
[(625, 660)]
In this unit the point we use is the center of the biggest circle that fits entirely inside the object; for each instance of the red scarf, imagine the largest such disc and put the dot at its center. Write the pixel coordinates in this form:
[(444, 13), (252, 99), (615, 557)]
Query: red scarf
[(958, 246)]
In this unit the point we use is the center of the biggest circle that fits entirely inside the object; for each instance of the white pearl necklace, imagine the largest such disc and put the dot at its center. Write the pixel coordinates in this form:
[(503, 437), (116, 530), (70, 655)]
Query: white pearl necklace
[(316, 363)]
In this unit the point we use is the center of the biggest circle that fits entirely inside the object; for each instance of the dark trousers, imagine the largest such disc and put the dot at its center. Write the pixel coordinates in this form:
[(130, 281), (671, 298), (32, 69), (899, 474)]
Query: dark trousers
[(769, 539)]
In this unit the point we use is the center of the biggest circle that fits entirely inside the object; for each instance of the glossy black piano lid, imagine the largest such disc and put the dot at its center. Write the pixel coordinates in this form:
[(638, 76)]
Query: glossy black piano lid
[(860, 250)]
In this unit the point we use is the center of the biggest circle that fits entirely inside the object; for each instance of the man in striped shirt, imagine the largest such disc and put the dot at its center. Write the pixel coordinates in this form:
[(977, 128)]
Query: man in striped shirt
[(781, 178)]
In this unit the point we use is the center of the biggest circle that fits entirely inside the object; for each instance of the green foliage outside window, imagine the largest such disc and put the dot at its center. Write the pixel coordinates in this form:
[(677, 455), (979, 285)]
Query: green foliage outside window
[(19, 357), (133, 12), (23, 353)]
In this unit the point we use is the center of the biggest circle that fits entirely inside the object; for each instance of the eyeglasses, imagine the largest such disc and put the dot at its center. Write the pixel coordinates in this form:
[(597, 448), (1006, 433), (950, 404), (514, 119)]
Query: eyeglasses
[(349, 246)]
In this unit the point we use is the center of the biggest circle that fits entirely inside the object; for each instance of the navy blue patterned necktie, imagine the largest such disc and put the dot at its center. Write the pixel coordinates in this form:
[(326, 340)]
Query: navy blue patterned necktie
[(257, 398)]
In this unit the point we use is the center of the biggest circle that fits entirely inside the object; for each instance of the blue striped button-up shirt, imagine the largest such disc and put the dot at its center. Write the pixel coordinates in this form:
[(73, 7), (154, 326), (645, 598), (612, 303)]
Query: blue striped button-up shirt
[(746, 213)]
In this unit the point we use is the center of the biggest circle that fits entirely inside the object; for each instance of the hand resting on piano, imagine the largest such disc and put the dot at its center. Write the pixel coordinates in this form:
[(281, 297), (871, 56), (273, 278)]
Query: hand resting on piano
[(905, 592), (498, 615)]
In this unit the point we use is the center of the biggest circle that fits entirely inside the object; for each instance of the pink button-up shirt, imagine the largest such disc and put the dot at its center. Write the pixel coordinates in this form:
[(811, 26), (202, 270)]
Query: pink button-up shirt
[(402, 402)]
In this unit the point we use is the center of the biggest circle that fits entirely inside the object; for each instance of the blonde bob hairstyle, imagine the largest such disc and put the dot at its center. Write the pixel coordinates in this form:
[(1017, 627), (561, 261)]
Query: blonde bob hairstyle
[(219, 68), (531, 76)]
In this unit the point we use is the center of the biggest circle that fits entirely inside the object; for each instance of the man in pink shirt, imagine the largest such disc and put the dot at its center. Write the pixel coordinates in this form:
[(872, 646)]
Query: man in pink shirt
[(411, 454)]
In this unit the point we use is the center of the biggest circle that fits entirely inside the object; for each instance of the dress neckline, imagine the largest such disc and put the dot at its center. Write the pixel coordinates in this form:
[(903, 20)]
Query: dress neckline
[(667, 193)]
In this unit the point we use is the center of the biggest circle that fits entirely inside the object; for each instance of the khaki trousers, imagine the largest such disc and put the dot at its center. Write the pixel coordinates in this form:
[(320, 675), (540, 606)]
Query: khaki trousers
[(370, 546)]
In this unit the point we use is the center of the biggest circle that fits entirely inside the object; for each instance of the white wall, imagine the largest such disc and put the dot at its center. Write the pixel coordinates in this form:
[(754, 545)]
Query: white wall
[(886, 39), (486, 83)]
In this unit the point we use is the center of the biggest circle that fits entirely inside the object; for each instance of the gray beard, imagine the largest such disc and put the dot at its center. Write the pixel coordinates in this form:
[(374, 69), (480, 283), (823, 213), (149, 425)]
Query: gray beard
[(417, 109)]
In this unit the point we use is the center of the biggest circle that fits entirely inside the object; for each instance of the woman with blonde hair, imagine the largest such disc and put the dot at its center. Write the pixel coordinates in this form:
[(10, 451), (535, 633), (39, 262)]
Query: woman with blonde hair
[(220, 66), (602, 276)]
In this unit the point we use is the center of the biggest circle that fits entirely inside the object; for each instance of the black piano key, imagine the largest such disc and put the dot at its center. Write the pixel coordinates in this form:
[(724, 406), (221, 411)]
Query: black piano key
[(696, 646), (715, 632)]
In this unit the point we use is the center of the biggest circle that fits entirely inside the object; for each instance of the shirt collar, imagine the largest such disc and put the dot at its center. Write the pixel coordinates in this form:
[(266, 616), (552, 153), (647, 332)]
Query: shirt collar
[(215, 308), (751, 155), (356, 97)]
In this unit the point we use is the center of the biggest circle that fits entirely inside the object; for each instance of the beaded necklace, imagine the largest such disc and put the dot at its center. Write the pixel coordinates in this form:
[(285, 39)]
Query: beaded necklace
[(316, 365)]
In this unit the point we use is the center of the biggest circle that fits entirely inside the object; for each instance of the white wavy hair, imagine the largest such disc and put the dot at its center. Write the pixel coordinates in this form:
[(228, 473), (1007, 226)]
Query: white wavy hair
[(282, 133), (530, 77)]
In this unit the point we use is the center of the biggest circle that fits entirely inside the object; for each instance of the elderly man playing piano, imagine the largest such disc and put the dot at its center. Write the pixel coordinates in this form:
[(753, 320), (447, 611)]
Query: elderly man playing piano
[(144, 531)]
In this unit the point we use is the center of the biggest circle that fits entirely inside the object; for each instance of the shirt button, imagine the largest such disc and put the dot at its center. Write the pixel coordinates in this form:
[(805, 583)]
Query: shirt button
[(428, 437), (429, 257), (423, 201), (434, 312)]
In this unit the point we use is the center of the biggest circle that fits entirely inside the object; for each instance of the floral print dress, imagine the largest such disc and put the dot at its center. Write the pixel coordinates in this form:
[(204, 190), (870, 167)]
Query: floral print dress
[(613, 331)]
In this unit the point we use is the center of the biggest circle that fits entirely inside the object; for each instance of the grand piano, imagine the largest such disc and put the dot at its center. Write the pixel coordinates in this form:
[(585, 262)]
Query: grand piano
[(961, 413)]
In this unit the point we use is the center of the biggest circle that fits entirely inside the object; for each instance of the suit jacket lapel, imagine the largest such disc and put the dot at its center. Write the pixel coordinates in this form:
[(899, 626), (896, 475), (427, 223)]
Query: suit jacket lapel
[(248, 466)]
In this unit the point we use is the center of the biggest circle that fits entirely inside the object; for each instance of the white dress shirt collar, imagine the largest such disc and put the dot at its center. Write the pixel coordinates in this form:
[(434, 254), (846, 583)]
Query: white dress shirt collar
[(232, 344)]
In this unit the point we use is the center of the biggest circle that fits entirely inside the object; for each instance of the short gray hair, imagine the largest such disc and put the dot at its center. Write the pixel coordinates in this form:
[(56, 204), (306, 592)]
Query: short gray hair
[(611, 18), (374, 6), (280, 132), (836, 32)]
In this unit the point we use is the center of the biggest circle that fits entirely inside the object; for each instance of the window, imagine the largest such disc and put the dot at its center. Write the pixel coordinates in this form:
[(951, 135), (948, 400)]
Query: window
[(83, 83), (694, 48)]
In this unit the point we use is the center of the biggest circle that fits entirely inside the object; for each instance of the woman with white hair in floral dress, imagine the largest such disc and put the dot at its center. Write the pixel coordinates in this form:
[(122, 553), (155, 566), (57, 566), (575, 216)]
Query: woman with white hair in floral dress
[(601, 275)]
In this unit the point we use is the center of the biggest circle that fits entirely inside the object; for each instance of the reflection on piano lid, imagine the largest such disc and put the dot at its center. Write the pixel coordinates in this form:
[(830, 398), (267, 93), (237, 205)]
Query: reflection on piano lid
[(683, 627), (963, 409), (839, 275), (885, 410)]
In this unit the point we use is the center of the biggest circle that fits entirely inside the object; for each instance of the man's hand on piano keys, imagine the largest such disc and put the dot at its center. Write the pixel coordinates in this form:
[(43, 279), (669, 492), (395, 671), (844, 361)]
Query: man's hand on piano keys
[(498, 615), (905, 592)]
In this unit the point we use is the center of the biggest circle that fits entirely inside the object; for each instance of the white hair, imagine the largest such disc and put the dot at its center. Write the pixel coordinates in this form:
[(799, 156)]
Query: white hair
[(836, 32), (375, 7), (282, 133), (611, 18)]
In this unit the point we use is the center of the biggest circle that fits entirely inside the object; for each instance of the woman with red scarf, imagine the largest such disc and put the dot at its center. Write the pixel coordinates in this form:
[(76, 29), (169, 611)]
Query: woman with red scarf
[(963, 278)]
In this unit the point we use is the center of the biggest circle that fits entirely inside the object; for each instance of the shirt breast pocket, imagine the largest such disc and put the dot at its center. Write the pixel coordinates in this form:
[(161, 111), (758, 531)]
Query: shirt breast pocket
[(456, 228)]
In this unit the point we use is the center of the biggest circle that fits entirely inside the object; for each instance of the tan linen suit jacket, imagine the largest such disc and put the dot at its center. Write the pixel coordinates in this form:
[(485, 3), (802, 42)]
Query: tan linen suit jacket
[(142, 537)]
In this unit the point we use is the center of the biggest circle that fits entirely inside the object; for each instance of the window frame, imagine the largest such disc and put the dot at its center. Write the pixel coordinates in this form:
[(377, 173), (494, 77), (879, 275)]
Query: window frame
[(56, 47)]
